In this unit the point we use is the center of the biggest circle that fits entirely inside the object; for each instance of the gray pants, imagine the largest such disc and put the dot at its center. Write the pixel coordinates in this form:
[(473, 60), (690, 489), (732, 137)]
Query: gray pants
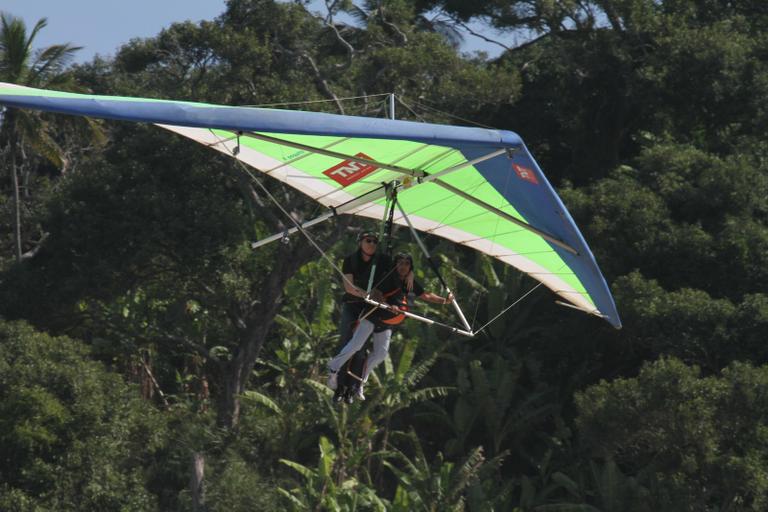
[(361, 334), (380, 349)]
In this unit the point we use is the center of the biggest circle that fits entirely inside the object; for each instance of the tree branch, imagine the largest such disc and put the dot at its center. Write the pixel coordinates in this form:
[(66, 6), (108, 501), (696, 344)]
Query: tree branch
[(322, 82), (464, 26), (151, 376), (330, 7), (36, 249)]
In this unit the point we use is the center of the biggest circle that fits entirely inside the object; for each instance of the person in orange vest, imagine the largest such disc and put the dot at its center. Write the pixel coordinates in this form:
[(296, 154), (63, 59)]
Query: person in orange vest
[(381, 322)]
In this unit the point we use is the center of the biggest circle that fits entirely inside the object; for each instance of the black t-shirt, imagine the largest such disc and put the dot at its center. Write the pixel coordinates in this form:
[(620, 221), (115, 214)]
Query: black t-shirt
[(397, 296), (418, 290), (361, 272)]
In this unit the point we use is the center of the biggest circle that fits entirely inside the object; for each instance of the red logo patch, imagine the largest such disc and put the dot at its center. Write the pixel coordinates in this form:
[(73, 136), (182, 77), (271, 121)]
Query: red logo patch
[(349, 171), (525, 173)]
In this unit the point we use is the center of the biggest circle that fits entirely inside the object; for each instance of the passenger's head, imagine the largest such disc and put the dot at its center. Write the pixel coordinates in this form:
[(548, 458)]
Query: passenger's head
[(403, 263)]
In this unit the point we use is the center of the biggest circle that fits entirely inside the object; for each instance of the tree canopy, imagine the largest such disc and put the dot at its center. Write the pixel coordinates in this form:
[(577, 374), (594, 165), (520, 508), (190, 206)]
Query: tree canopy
[(151, 360)]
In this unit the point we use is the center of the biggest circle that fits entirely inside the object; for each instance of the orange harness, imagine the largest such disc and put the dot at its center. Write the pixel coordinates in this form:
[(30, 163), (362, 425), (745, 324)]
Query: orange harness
[(401, 304)]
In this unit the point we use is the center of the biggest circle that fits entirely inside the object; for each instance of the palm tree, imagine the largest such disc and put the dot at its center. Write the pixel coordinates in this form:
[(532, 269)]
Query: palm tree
[(434, 486), (321, 490), (24, 130)]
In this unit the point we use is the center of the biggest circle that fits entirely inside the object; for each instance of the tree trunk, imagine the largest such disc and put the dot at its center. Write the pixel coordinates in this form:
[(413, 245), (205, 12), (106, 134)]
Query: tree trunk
[(16, 204), (239, 368), (228, 403), (196, 482), (255, 327)]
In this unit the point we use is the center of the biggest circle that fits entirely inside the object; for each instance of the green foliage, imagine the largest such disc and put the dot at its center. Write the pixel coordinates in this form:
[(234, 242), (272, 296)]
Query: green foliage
[(495, 406), (439, 485), (650, 118), (29, 141), (326, 489), (695, 443), (72, 435), (233, 484)]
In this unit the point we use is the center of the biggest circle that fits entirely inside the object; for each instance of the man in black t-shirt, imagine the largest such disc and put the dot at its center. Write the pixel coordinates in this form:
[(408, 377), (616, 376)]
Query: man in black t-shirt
[(357, 273)]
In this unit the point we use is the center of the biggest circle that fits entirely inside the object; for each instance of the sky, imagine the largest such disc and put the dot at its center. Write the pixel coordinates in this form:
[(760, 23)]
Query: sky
[(102, 26)]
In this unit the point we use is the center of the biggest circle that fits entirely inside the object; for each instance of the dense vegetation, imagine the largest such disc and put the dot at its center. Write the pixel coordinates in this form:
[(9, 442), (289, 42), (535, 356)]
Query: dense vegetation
[(150, 360)]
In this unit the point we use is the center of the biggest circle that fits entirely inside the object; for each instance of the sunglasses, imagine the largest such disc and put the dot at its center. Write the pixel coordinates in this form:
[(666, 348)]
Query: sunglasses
[(370, 240)]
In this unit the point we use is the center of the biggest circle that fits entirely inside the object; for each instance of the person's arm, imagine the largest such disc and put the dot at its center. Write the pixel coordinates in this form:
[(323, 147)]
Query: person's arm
[(350, 288), (347, 269), (436, 299), (356, 291)]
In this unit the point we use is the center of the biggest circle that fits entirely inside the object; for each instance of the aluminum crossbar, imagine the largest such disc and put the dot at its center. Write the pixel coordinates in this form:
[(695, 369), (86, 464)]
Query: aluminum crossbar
[(420, 318)]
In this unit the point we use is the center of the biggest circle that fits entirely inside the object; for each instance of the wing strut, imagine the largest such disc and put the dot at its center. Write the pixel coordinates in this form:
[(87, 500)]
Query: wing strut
[(420, 318), (434, 268), (371, 195), (504, 215), (377, 193), (335, 154)]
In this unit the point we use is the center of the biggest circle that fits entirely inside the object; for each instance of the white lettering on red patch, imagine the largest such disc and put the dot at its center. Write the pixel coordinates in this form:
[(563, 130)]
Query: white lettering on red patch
[(349, 171), (524, 173)]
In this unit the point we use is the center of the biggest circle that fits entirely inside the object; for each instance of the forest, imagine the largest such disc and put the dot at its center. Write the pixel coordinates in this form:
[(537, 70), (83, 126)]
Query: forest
[(151, 360)]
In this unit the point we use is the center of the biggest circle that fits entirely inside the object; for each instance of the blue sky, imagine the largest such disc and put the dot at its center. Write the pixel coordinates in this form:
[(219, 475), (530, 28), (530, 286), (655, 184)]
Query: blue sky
[(102, 26)]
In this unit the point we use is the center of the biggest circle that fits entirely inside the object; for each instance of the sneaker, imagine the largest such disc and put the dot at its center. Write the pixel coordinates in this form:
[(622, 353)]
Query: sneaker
[(359, 394), (333, 380)]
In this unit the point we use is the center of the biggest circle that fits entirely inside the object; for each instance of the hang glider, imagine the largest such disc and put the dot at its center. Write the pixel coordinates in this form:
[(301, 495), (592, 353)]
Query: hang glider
[(476, 187)]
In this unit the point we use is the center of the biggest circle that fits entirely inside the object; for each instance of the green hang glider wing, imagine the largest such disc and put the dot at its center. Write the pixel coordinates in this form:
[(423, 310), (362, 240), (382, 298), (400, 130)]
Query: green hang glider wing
[(476, 187)]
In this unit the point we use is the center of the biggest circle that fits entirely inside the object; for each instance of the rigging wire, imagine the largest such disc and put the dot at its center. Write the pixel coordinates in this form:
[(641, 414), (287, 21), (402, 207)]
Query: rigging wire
[(400, 99), (296, 223), (403, 103), (453, 116), (308, 102), (489, 322), (477, 309), (311, 239)]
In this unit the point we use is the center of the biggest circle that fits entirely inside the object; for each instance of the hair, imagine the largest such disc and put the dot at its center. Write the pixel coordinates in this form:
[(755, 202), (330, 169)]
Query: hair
[(404, 256), (365, 234)]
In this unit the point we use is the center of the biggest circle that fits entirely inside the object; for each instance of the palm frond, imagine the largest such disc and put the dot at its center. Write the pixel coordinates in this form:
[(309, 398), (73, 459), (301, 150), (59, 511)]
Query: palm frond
[(406, 359), (420, 371), (283, 320), (41, 24), (296, 502), (302, 470), (423, 395), (34, 134), (51, 61), (14, 55), (467, 472), (357, 13), (320, 389), (261, 399)]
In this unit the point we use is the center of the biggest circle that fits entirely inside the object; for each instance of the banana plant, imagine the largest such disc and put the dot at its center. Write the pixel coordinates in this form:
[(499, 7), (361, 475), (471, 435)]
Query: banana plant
[(495, 406), (362, 430), (600, 487), (398, 390), (439, 485), (321, 489)]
